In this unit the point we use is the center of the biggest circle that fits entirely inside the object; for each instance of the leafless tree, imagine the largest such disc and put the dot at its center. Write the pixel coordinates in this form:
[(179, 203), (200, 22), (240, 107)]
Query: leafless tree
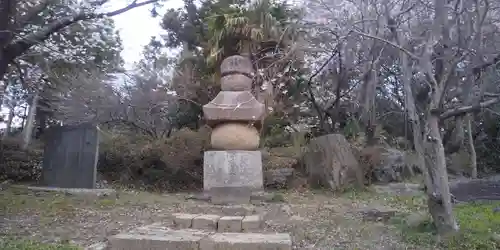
[(442, 51)]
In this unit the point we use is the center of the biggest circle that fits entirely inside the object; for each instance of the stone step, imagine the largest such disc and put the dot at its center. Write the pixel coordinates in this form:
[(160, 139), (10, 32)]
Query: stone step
[(255, 197), (155, 237), (232, 210), (212, 222)]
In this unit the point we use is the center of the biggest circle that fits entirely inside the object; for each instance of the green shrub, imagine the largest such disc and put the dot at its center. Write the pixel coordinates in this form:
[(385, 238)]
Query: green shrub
[(17, 164), (171, 163)]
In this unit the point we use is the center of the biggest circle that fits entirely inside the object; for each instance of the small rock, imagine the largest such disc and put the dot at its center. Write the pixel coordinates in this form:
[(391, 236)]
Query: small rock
[(496, 237), (415, 219), (278, 178), (198, 197), (286, 209), (97, 246), (5, 184), (496, 210), (377, 215), (298, 218)]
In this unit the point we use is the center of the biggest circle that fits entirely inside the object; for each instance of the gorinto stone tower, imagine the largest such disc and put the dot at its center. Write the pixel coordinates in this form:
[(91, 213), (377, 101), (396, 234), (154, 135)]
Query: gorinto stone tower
[(232, 172), (233, 168)]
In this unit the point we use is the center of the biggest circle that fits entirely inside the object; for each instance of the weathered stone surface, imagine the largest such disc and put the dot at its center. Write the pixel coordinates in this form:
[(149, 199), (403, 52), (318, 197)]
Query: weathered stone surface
[(236, 64), (278, 178), (233, 106), (206, 221), (236, 82), (329, 162), (235, 136), (97, 246), (377, 214), (238, 210), (390, 165), (251, 223), (230, 196), (246, 241), (232, 169), (158, 239), (230, 224), (261, 196), (183, 220)]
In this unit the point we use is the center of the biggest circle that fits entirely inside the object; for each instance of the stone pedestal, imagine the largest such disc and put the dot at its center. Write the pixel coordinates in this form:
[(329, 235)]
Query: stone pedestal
[(230, 177)]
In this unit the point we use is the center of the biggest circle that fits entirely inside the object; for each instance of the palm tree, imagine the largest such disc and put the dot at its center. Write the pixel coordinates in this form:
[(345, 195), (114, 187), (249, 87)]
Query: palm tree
[(247, 31)]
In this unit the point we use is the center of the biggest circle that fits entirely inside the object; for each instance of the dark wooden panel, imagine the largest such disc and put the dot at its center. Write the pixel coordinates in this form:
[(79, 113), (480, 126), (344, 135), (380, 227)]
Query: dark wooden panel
[(70, 156)]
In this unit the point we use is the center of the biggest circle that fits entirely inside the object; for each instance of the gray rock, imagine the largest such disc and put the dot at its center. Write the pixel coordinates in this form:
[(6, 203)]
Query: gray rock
[(377, 214), (278, 178), (496, 237), (330, 162), (416, 219), (400, 188), (395, 166)]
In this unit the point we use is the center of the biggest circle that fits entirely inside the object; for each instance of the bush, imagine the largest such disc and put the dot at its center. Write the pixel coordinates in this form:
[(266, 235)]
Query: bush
[(17, 164), (172, 163)]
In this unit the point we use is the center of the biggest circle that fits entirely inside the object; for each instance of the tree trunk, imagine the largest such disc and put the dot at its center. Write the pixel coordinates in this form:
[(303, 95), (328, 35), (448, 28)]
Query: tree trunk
[(41, 118), (434, 165), (30, 121), (3, 87), (23, 122), (439, 200), (9, 123), (472, 149)]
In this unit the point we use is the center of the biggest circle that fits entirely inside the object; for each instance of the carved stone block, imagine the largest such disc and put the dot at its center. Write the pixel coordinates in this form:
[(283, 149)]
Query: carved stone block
[(233, 106)]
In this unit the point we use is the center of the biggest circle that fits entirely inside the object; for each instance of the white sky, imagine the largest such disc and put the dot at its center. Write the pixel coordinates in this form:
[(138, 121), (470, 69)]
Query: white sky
[(137, 27)]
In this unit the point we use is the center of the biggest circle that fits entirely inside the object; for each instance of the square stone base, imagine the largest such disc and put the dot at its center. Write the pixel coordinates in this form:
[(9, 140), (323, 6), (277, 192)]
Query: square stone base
[(230, 177)]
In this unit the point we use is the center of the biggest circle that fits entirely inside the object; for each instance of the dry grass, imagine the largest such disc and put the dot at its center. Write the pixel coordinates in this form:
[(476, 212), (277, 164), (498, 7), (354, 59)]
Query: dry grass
[(315, 219)]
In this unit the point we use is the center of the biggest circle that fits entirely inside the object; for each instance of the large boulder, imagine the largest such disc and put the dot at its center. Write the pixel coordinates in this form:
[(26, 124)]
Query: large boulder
[(389, 164), (329, 162), (395, 166)]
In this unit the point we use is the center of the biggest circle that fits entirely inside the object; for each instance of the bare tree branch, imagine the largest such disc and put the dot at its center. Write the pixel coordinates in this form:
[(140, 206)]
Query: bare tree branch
[(16, 49), (409, 53), (467, 109)]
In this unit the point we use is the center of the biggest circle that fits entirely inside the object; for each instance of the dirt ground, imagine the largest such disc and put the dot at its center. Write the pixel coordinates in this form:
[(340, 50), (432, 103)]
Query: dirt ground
[(316, 220)]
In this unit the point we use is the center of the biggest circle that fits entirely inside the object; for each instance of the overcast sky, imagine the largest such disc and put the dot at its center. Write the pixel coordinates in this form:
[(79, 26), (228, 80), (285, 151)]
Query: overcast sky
[(136, 28)]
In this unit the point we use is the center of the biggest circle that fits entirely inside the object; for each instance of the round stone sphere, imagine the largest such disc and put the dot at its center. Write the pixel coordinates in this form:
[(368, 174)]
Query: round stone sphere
[(235, 136)]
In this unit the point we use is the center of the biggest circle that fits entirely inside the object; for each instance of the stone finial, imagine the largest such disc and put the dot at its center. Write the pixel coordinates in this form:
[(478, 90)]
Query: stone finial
[(234, 113), (236, 64)]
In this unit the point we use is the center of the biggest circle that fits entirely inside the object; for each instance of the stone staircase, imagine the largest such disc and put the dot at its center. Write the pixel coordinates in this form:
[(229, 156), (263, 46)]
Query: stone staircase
[(202, 232)]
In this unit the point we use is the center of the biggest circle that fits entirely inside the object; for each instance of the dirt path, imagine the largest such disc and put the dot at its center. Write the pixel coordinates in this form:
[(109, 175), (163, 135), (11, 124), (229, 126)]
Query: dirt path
[(315, 221), (472, 190)]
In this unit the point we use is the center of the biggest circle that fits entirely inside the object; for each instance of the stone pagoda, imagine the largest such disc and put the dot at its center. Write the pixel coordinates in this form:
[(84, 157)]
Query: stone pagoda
[(232, 169), (232, 173)]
